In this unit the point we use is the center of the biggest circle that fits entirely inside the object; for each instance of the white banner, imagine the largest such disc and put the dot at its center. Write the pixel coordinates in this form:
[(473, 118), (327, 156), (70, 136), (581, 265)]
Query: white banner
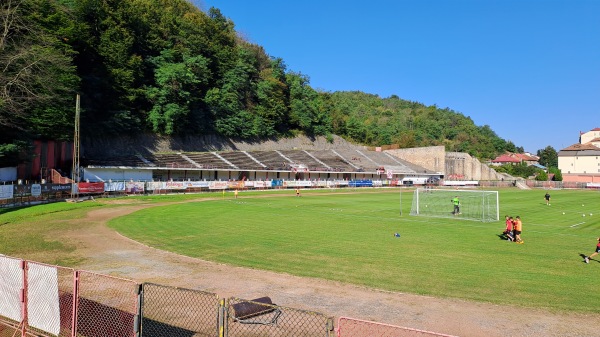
[(114, 186), (134, 187), (218, 185), (11, 283), (156, 185), (6, 191), (36, 190), (175, 185), (43, 306), (196, 184)]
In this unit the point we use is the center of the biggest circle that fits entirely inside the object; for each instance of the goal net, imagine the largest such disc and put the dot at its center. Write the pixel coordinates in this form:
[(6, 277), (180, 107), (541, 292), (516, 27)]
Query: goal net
[(472, 205)]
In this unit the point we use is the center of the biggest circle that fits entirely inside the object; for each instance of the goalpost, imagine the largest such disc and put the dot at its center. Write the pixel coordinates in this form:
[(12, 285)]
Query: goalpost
[(474, 205)]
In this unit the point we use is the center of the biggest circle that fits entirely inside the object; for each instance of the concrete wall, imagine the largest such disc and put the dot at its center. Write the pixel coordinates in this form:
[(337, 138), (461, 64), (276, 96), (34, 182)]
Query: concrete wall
[(432, 158), (454, 165), (103, 174)]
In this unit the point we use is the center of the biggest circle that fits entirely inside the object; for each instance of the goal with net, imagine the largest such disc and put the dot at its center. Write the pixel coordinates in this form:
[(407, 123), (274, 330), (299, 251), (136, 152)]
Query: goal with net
[(472, 205)]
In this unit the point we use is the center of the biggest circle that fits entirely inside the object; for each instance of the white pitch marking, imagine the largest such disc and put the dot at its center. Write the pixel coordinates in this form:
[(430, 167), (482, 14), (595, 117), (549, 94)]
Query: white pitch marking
[(577, 224)]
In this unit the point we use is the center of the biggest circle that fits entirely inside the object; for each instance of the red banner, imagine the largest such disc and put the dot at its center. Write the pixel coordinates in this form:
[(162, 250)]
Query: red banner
[(91, 187)]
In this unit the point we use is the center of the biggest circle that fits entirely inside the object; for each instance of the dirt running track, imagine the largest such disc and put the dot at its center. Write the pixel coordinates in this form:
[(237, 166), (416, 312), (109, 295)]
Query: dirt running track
[(108, 252)]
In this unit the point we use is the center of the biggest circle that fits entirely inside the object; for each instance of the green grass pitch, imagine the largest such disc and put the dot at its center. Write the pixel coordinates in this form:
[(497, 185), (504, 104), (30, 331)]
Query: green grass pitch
[(350, 238)]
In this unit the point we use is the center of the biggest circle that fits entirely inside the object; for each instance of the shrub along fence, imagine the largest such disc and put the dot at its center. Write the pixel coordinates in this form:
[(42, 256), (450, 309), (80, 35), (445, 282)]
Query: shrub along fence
[(48, 301)]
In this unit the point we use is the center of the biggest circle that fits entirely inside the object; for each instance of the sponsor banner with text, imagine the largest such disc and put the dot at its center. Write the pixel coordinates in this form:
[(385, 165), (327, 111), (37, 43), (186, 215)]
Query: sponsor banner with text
[(91, 187), (6, 191), (56, 188), (175, 185), (197, 184), (218, 185), (134, 187)]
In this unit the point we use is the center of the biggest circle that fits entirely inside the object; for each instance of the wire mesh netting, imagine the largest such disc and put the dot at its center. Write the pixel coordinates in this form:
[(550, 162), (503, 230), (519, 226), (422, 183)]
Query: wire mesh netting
[(463, 204), (177, 312), (107, 306)]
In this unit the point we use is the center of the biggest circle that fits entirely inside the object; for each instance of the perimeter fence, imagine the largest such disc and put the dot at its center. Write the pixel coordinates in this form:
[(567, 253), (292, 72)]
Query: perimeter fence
[(50, 301)]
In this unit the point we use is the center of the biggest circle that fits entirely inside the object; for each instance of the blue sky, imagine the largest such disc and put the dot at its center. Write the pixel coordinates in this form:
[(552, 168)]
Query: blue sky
[(530, 69)]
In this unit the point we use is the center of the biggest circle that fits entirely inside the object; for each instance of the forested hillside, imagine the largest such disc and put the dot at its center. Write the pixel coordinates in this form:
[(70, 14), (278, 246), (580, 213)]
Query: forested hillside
[(168, 68)]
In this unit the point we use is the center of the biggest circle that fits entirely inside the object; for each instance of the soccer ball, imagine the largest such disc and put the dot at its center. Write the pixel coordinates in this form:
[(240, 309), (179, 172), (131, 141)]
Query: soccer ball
[(563, 213), (582, 214), (425, 205), (590, 214)]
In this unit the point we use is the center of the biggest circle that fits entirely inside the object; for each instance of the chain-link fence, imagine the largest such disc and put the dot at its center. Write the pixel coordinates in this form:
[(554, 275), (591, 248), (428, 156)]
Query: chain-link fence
[(49, 301), (260, 317), (350, 327), (178, 312), (106, 306)]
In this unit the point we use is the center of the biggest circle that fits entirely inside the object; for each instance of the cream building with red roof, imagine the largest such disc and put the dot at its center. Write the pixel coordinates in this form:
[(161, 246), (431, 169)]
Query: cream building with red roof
[(580, 162)]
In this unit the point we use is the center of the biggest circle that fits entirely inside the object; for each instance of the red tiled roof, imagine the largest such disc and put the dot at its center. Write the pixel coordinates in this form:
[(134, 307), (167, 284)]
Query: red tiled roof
[(595, 129), (505, 159), (581, 147), (522, 156)]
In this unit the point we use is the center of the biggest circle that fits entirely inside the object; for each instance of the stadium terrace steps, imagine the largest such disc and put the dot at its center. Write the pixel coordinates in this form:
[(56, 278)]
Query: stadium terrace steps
[(271, 159), (340, 160), (300, 157), (243, 160), (333, 160)]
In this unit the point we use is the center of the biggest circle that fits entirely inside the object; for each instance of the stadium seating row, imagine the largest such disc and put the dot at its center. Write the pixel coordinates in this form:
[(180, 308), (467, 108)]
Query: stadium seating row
[(344, 160)]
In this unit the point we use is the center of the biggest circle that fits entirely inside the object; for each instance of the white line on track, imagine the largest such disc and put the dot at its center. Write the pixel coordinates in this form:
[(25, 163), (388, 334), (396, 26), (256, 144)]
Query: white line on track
[(577, 224)]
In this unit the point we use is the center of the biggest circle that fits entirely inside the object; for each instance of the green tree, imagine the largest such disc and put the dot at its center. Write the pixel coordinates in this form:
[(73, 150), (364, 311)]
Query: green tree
[(271, 110), (177, 77), (309, 110), (548, 156)]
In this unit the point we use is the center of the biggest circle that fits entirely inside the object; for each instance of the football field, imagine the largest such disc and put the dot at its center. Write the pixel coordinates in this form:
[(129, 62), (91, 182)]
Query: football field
[(348, 236)]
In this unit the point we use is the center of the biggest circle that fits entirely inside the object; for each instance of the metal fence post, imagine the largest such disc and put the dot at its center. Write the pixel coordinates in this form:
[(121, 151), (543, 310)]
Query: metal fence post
[(137, 321), (221, 318), (75, 303), (24, 300)]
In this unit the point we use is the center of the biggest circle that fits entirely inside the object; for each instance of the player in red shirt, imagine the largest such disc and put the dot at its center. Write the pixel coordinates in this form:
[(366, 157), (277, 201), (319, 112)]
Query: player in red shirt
[(509, 228), (587, 258)]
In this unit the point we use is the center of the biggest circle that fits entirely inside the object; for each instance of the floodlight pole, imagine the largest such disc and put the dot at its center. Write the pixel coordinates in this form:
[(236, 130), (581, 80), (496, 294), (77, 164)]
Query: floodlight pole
[(75, 168)]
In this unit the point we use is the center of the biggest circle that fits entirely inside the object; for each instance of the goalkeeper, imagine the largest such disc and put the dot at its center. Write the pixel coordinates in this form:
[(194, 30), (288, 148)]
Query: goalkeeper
[(456, 204)]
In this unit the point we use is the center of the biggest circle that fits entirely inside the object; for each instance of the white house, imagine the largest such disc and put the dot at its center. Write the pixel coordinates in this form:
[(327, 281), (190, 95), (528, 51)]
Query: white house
[(580, 162)]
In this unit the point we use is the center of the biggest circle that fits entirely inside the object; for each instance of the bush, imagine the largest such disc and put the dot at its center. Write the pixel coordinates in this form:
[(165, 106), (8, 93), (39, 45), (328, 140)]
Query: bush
[(541, 176)]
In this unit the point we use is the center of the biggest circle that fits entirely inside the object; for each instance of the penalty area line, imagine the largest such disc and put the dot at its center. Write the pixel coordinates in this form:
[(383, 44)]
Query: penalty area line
[(577, 224)]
